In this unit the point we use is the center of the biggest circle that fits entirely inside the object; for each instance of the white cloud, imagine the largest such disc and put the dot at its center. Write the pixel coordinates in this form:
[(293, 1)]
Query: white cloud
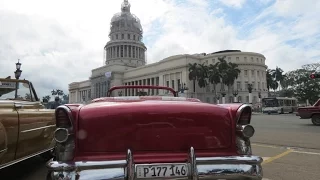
[(60, 42), (233, 3)]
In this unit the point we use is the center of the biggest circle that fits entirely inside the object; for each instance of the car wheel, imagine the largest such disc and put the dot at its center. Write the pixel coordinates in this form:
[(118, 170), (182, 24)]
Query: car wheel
[(316, 119)]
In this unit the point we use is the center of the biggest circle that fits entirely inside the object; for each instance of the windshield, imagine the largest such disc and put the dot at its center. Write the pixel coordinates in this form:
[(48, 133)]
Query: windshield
[(8, 91), (269, 102)]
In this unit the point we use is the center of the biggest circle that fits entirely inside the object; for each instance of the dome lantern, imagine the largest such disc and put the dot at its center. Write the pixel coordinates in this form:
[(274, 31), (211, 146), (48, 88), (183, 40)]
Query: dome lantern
[(125, 6)]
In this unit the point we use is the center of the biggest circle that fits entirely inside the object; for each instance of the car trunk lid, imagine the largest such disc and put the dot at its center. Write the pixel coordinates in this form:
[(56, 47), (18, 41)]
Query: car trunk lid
[(150, 126)]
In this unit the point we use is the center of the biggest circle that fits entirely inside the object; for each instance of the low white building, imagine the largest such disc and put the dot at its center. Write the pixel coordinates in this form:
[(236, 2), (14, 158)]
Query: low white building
[(125, 59)]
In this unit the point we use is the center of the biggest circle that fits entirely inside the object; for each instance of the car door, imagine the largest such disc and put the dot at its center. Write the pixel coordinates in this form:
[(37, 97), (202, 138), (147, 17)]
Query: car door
[(8, 132), (36, 128)]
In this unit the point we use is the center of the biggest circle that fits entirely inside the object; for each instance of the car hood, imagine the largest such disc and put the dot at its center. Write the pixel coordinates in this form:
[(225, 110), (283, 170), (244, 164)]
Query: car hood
[(153, 126)]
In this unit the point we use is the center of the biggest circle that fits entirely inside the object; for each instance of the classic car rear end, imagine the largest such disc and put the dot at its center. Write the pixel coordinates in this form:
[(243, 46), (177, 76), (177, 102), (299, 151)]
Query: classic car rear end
[(154, 138)]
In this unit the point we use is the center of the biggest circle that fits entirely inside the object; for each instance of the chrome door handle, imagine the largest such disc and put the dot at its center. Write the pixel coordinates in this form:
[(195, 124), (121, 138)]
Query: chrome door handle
[(18, 106)]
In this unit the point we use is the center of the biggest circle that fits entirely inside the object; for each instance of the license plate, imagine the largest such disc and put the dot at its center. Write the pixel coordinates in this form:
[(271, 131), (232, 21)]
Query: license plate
[(162, 170)]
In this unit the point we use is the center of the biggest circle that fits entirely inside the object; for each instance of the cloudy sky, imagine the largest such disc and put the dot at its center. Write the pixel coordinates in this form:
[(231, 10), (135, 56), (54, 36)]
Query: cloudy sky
[(59, 42)]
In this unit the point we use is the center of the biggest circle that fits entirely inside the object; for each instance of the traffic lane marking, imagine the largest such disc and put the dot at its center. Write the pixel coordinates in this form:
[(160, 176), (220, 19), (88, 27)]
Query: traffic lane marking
[(277, 156), (294, 150)]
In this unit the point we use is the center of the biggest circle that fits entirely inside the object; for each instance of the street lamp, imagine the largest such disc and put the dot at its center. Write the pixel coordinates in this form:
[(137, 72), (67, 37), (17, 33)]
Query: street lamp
[(223, 94), (119, 93), (17, 74), (235, 93), (250, 92)]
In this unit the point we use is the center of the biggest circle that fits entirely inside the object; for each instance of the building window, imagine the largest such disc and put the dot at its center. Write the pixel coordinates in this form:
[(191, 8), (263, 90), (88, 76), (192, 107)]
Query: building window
[(246, 85), (252, 58), (245, 59), (259, 85), (237, 58), (117, 36), (168, 86), (258, 73), (246, 72), (179, 84), (239, 99), (247, 99), (257, 60), (122, 36), (262, 85), (253, 84), (213, 61), (134, 37), (128, 36), (252, 72), (238, 85)]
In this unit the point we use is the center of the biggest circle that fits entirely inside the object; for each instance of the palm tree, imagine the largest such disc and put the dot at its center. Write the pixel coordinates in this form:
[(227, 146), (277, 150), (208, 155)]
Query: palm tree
[(223, 71), (202, 75), (213, 75), (233, 72), (54, 92), (277, 75), (193, 74), (269, 79)]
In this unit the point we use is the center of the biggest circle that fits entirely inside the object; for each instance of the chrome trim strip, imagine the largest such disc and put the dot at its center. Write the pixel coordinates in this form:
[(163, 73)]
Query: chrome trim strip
[(24, 158), (68, 111), (193, 165), (130, 166), (39, 128), (3, 150), (239, 111)]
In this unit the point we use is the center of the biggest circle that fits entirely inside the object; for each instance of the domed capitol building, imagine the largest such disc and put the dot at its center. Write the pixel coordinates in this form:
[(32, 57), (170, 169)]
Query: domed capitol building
[(125, 64)]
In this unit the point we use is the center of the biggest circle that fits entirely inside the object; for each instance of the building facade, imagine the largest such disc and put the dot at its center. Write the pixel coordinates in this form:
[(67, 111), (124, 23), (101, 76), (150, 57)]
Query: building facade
[(125, 64)]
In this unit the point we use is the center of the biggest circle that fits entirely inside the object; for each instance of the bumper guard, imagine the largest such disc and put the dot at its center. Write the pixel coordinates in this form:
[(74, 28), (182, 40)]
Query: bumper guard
[(229, 168)]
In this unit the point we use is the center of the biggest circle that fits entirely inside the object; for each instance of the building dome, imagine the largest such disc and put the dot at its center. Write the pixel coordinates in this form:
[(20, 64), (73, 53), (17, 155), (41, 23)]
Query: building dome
[(125, 46), (125, 20)]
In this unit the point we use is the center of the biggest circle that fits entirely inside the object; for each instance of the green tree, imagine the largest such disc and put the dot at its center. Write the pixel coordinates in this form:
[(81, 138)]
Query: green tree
[(193, 74), (202, 75), (213, 75), (303, 86), (46, 98)]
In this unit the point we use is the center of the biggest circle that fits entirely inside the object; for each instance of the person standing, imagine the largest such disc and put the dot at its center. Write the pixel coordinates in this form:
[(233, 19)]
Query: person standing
[(56, 103)]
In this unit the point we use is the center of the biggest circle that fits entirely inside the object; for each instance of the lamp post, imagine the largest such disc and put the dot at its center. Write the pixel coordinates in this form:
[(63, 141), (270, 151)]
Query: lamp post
[(223, 94), (17, 75), (218, 99), (182, 88), (83, 98), (235, 93), (250, 93), (260, 105), (119, 93)]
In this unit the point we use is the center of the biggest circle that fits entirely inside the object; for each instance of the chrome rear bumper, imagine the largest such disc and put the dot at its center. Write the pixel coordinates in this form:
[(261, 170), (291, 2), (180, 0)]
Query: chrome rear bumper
[(231, 167)]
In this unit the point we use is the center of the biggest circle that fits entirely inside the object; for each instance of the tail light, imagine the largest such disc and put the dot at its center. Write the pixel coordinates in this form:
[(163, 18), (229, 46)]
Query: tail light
[(244, 130), (64, 135)]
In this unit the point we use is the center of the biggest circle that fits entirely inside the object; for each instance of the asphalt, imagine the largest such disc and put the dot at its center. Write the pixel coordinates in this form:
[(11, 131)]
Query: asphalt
[(289, 146)]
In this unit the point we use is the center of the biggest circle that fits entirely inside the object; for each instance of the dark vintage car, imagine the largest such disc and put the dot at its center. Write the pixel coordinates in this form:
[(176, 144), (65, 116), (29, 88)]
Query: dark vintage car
[(312, 112), (26, 127), (153, 137)]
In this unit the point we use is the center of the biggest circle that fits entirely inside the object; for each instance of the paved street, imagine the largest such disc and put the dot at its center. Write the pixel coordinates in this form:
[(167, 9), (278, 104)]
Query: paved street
[(290, 147)]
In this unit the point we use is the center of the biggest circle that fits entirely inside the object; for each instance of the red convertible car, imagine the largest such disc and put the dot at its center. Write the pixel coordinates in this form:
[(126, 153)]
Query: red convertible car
[(153, 137)]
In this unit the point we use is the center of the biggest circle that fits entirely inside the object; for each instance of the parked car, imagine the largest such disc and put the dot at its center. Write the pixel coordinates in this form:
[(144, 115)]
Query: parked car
[(26, 127), (153, 137), (310, 112)]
